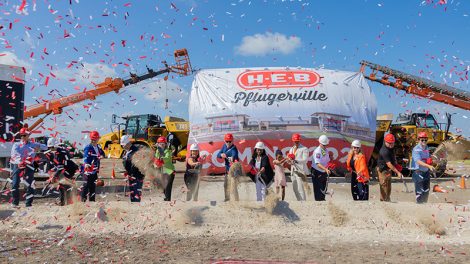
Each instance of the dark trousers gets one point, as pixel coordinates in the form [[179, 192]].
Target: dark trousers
[[354, 188], [422, 182], [28, 175], [169, 186], [192, 183], [135, 187], [89, 187], [359, 190], [319, 180], [65, 194]]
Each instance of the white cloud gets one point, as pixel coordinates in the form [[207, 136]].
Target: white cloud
[[86, 73], [10, 58], [268, 43]]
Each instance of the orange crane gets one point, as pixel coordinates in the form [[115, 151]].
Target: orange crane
[[416, 85], [55, 106], [407, 127]]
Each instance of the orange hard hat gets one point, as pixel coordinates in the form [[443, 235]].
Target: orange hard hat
[[161, 140], [94, 135], [422, 135], [390, 138], [24, 131], [228, 137], [296, 137]]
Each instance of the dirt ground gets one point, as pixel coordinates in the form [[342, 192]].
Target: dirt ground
[[113, 230]]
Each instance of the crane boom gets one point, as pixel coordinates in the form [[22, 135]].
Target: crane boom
[[417, 85], [55, 106]]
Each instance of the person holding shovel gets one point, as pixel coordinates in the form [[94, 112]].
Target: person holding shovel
[[357, 165], [421, 166], [134, 176], [92, 154], [164, 161], [297, 158], [191, 176], [386, 165], [229, 153], [261, 171], [63, 169], [21, 164], [320, 170]]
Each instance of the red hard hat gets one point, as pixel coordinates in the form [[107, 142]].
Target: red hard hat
[[228, 137], [24, 131], [399, 167], [296, 137], [99, 183], [161, 140], [389, 138], [422, 135], [94, 135]]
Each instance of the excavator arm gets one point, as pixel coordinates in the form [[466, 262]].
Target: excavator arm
[[416, 85], [55, 106]]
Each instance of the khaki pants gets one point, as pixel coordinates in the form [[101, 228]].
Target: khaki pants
[[385, 182]]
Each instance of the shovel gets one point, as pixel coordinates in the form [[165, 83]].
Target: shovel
[[406, 190]]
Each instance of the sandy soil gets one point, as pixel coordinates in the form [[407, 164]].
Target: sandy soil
[[113, 230]]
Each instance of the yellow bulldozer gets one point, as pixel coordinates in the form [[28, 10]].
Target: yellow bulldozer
[[145, 130]]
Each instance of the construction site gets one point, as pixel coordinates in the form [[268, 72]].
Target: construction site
[[164, 165]]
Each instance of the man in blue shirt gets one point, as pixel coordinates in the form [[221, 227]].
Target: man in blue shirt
[[91, 159], [229, 153], [421, 166], [22, 167]]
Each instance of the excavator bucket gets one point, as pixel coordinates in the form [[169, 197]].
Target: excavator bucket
[[183, 64]]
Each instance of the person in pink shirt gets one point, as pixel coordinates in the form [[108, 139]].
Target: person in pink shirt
[[279, 174]]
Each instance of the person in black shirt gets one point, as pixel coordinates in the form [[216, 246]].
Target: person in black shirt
[[63, 169], [261, 172], [386, 165], [133, 174]]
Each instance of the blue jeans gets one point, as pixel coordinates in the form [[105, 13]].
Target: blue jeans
[[28, 175], [422, 182], [135, 187]]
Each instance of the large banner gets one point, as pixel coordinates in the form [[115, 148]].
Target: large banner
[[270, 104]]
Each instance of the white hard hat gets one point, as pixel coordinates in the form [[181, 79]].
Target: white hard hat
[[356, 143], [323, 139], [125, 139], [51, 142], [194, 146], [259, 145]]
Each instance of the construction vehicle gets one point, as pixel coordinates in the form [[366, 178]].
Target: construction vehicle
[[55, 106], [145, 130], [407, 126]]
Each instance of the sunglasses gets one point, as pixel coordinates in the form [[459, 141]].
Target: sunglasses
[[424, 140], [24, 135], [356, 148], [228, 141]]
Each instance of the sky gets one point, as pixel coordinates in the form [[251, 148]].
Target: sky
[[67, 46]]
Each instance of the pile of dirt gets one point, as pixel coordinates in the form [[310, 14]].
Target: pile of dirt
[[432, 226], [338, 216], [451, 151]]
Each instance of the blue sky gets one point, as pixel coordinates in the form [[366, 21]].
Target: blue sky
[[425, 38]]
